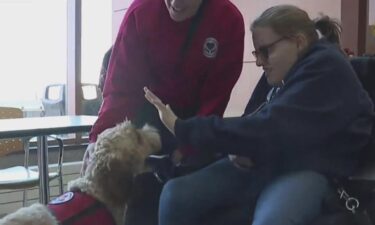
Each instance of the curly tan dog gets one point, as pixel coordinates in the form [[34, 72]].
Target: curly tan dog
[[100, 196]]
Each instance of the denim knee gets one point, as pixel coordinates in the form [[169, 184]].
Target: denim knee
[[171, 194], [172, 204], [294, 198]]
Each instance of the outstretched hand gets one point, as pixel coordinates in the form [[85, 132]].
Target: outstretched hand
[[166, 114]]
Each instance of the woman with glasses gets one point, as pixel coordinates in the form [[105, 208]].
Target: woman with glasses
[[310, 129]]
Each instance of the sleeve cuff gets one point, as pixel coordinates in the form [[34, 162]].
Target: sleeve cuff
[[181, 135]]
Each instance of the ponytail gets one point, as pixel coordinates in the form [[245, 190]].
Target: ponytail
[[329, 28]]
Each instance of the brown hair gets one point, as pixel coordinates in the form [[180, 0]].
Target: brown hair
[[329, 28], [287, 20]]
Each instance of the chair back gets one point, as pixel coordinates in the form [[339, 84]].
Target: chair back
[[91, 99], [8, 146], [54, 100], [365, 70]]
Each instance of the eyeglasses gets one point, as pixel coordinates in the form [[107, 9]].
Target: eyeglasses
[[264, 51]]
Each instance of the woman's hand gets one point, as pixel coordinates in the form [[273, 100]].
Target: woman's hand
[[166, 115]]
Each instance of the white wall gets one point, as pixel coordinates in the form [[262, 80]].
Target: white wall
[[371, 10], [370, 39]]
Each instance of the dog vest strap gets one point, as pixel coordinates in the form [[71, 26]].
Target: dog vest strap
[[79, 208], [90, 211]]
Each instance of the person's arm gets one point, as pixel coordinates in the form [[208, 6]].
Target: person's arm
[[307, 114], [123, 84], [306, 117], [126, 76]]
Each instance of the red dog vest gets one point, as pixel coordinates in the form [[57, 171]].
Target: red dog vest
[[78, 208]]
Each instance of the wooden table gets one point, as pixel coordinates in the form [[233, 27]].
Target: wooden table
[[41, 127]]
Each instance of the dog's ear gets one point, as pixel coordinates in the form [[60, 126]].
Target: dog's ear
[[152, 136]]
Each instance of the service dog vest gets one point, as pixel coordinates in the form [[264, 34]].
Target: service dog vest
[[73, 208]]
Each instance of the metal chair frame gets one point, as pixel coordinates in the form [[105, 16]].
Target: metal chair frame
[[22, 177]]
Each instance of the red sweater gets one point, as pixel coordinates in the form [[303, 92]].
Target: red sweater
[[147, 52]]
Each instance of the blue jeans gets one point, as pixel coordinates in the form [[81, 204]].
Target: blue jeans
[[224, 194], [294, 198]]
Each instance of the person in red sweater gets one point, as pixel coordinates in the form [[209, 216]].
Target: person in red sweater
[[188, 52]]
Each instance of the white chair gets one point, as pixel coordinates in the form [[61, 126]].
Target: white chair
[[22, 177], [91, 99], [54, 100]]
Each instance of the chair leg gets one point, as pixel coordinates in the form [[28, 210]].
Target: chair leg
[[59, 165], [24, 202], [61, 185], [26, 147]]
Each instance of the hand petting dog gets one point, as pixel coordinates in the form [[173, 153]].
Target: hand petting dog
[[167, 116]]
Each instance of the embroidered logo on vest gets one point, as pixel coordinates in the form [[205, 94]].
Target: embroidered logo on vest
[[63, 198], [210, 47]]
